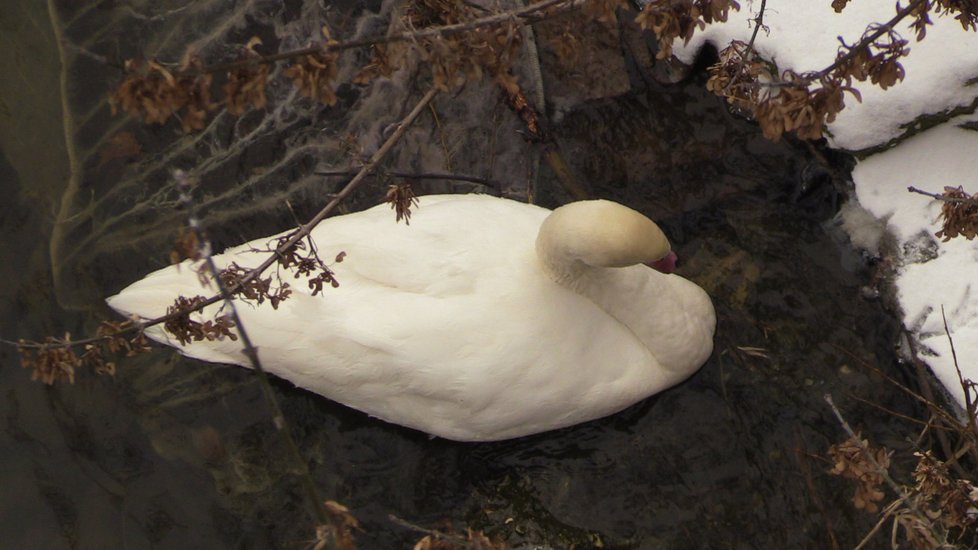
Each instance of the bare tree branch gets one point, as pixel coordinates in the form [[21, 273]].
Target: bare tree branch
[[526, 14], [302, 231], [420, 176], [869, 39]]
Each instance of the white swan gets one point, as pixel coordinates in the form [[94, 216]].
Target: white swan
[[485, 319]]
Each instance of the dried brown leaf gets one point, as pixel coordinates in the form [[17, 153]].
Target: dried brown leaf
[[313, 74], [121, 146], [960, 214], [851, 461], [674, 19], [187, 330], [401, 198], [244, 87]]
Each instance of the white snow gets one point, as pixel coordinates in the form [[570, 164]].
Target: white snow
[[803, 36]]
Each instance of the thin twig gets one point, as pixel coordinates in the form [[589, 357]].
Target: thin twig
[[890, 412], [940, 197], [969, 403], [931, 404], [420, 176], [887, 512], [758, 23]]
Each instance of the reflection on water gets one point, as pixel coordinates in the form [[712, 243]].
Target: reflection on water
[[171, 450]]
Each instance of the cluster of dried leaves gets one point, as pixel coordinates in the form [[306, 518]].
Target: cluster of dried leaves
[[383, 62], [472, 540], [801, 109], [454, 59], [244, 84], [805, 103], [953, 502], [313, 74], [303, 261], [960, 214], [736, 74], [256, 289], [566, 43], [306, 263], [966, 14], [244, 87], [802, 103], [781, 102], [186, 245], [672, 19], [154, 93], [878, 62], [935, 509], [939, 511], [401, 197], [852, 462], [567, 29], [338, 533], [187, 330], [55, 359]]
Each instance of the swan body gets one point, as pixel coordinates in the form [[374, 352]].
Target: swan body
[[485, 319]]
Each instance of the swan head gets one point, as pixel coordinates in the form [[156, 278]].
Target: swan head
[[600, 233]]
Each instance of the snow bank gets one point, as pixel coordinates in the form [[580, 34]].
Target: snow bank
[[803, 36]]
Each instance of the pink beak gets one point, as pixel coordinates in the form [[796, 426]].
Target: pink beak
[[667, 264]]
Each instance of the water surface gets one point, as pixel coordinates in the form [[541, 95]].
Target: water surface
[[172, 451]]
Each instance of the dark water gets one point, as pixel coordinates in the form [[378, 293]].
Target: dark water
[[171, 452]]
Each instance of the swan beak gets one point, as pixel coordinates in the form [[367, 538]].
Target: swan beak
[[667, 264]]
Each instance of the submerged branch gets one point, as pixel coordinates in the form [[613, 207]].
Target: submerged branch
[[278, 418]]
